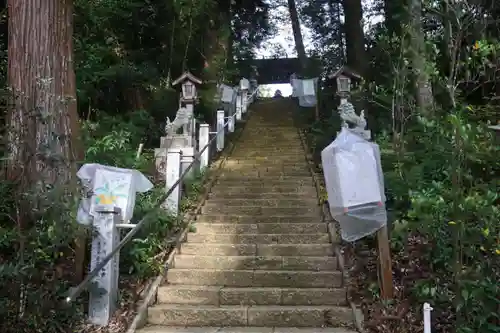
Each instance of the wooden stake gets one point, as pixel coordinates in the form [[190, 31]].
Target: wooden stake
[[317, 101], [80, 255], [385, 264]]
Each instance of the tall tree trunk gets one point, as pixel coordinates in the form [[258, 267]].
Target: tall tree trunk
[[297, 35], [357, 58], [396, 16], [44, 129], [355, 38], [44, 136], [335, 13], [423, 87]]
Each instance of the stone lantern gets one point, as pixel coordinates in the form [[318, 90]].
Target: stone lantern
[[344, 78], [189, 94], [184, 119]]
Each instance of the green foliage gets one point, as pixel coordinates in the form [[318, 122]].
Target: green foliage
[[140, 256], [45, 264], [126, 50], [36, 263], [441, 171], [444, 189]]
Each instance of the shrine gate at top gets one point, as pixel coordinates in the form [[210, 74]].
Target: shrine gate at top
[[271, 71]]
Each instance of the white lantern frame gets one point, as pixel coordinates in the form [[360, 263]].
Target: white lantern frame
[[343, 84], [188, 90]]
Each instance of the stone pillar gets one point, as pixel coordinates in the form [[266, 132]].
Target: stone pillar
[[244, 101], [230, 123], [173, 172], [104, 287], [188, 128], [202, 144], [161, 162], [220, 130], [238, 106], [186, 160]]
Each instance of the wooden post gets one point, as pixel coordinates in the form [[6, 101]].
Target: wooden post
[[317, 100], [385, 264], [80, 255]]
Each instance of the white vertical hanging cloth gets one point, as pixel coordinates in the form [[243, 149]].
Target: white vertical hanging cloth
[[307, 95]]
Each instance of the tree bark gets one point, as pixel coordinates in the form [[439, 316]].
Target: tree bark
[[354, 35], [44, 135], [335, 13], [297, 35], [424, 97], [396, 16], [43, 119]]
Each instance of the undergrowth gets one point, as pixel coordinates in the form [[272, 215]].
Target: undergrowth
[[36, 277], [445, 238], [442, 189]]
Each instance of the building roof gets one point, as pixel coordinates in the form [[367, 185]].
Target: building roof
[[345, 70], [188, 76]]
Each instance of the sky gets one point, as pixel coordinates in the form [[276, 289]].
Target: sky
[[284, 37]]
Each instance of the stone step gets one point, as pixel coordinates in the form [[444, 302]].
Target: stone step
[[262, 211], [275, 121], [268, 163], [250, 174], [271, 142], [267, 140], [280, 202], [261, 228], [268, 130], [216, 295], [323, 238], [284, 136], [245, 195], [265, 182], [263, 168], [254, 262], [266, 315], [257, 278], [256, 149], [304, 189], [251, 150], [206, 329], [244, 219], [250, 154], [284, 147], [265, 126]]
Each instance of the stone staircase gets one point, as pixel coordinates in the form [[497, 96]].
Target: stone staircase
[[260, 259]]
